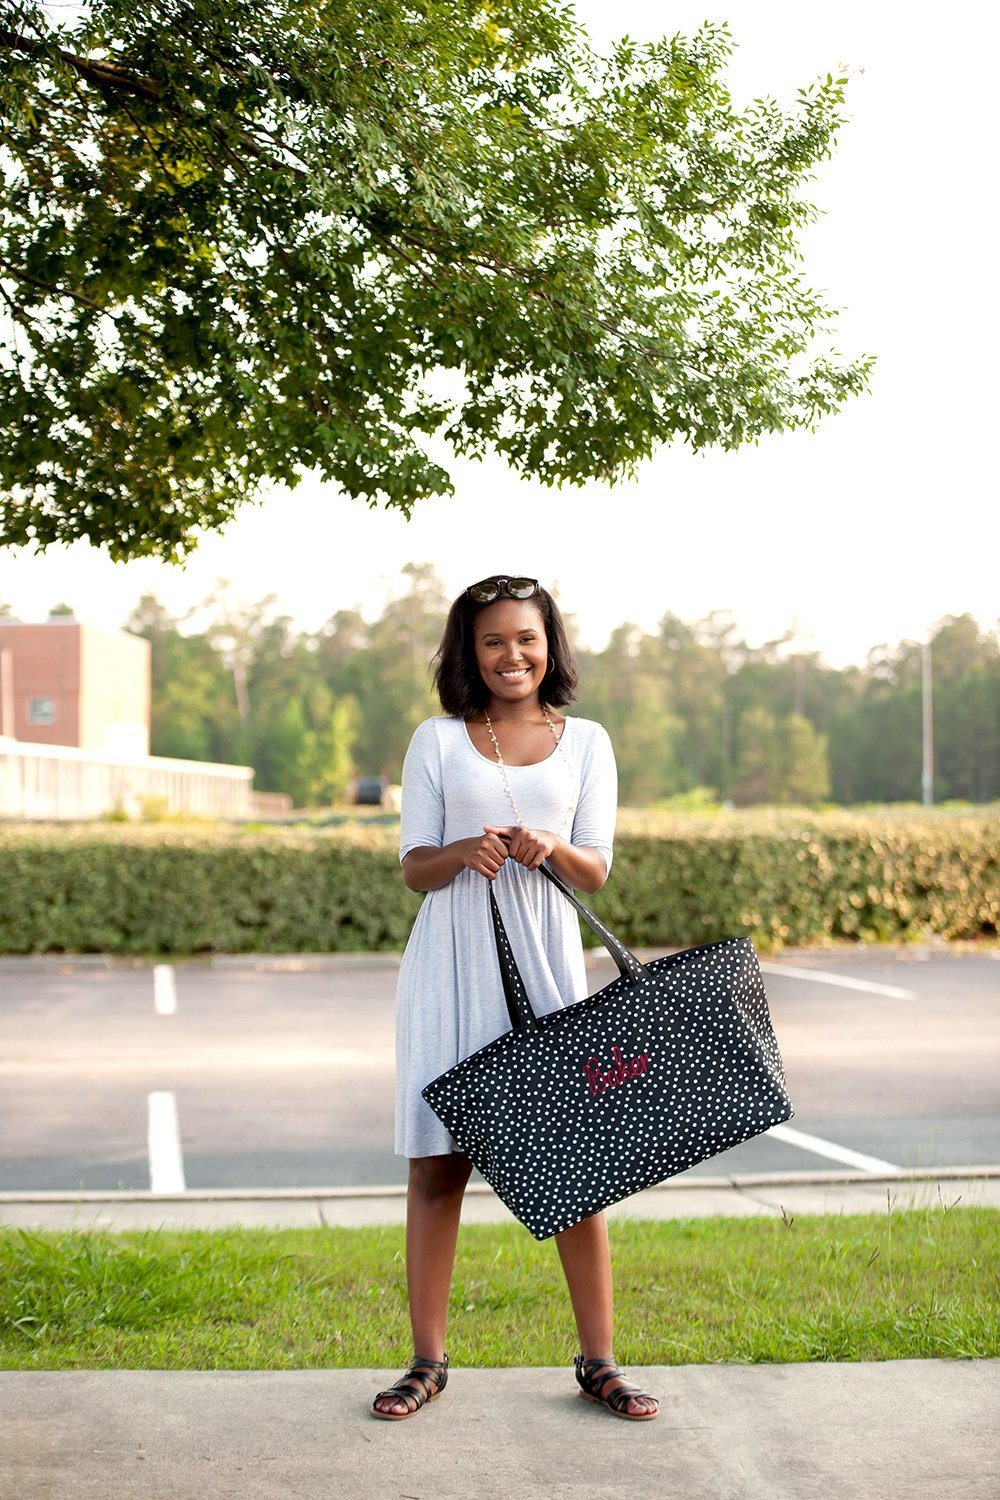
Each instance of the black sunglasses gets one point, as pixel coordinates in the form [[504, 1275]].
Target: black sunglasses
[[491, 588]]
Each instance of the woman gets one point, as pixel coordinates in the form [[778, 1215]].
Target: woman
[[486, 794]]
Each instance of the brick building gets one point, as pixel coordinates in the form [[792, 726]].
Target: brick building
[[64, 683], [74, 732]]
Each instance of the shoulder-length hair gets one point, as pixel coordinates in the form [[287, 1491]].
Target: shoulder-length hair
[[457, 679]]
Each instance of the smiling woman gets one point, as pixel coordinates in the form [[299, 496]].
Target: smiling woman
[[504, 631], [486, 793]]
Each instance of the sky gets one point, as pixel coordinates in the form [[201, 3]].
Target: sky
[[871, 530]]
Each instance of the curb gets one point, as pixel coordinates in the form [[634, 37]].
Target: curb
[[14, 963], [398, 1190]]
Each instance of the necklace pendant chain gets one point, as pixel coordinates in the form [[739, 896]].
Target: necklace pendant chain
[[503, 771]]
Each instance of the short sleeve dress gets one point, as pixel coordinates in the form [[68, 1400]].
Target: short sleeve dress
[[449, 996]]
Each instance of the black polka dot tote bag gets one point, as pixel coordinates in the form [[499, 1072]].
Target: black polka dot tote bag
[[669, 1064]]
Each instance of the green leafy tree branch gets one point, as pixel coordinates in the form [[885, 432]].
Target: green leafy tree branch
[[243, 242]]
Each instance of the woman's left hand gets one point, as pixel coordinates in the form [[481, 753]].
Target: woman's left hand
[[529, 846]]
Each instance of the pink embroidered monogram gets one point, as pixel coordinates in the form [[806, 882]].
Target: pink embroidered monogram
[[620, 1071]]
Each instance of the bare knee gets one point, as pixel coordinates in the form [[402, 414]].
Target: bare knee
[[440, 1176]]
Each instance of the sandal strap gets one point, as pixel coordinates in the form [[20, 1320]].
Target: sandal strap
[[402, 1393], [586, 1371], [439, 1367], [620, 1397]]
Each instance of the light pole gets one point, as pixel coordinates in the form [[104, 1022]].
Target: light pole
[[927, 778]]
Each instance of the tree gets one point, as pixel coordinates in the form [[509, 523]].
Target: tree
[[692, 700], [781, 760], [877, 735], [236, 632], [965, 664], [758, 767], [885, 737], [333, 757], [699, 659], [246, 241], [396, 671], [297, 736], [806, 776], [626, 688], [193, 712]]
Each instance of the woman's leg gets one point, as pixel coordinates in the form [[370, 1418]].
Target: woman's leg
[[586, 1259], [433, 1209]]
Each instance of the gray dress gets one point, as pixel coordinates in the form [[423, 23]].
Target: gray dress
[[449, 997]]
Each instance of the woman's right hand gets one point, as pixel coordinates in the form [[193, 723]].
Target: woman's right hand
[[484, 854]]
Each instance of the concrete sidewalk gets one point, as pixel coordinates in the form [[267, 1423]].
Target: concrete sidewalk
[[685, 1196], [905, 1429], [897, 1430]]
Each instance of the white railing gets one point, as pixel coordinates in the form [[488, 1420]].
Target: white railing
[[61, 781]]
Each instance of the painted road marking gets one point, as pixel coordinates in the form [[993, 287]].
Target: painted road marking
[[166, 1165], [819, 1147], [819, 976], [164, 989]]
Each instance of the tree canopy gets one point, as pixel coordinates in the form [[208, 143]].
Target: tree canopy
[[695, 713], [247, 241]]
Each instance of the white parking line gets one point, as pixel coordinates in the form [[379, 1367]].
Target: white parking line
[[166, 1164], [819, 1147], [819, 977], [164, 989]]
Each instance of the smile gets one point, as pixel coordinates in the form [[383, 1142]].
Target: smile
[[511, 675]]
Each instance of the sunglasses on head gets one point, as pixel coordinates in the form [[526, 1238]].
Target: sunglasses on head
[[491, 588]]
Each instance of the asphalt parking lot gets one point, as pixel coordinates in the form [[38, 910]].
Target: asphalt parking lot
[[279, 1072], [278, 1075]]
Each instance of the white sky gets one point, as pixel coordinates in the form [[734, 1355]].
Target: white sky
[[869, 531]]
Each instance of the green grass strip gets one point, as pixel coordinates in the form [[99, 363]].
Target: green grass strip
[[910, 1284]]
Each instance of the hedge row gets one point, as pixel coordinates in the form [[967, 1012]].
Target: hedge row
[[777, 876]]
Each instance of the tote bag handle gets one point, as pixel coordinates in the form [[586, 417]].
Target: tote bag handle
[[522, 1017]]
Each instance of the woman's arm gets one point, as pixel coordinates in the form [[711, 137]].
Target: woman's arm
[[428, 869], [580, 865], [582, 868]]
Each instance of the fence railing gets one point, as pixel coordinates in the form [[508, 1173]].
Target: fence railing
[[61, 781]]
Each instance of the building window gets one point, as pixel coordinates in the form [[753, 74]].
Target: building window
[[41, 711]]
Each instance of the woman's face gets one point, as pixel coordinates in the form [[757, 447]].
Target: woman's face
[[510, 637]]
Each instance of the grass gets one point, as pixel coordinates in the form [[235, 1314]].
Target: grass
[[907, 1284]]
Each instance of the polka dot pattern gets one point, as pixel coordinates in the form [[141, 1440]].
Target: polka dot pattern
[[569, 1112]]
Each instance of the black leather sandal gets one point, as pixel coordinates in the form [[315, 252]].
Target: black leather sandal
[[407, 1393], [594, 1374]]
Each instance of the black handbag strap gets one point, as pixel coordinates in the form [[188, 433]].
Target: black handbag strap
[[628, 965], [522, 1017]]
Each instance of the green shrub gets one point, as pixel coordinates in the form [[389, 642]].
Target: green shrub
[[779, 876], [162, 888], [796, 876]]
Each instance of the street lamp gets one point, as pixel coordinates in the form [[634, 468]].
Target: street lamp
[[927, 777]]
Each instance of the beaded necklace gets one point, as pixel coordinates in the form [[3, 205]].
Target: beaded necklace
[[559, 750]]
